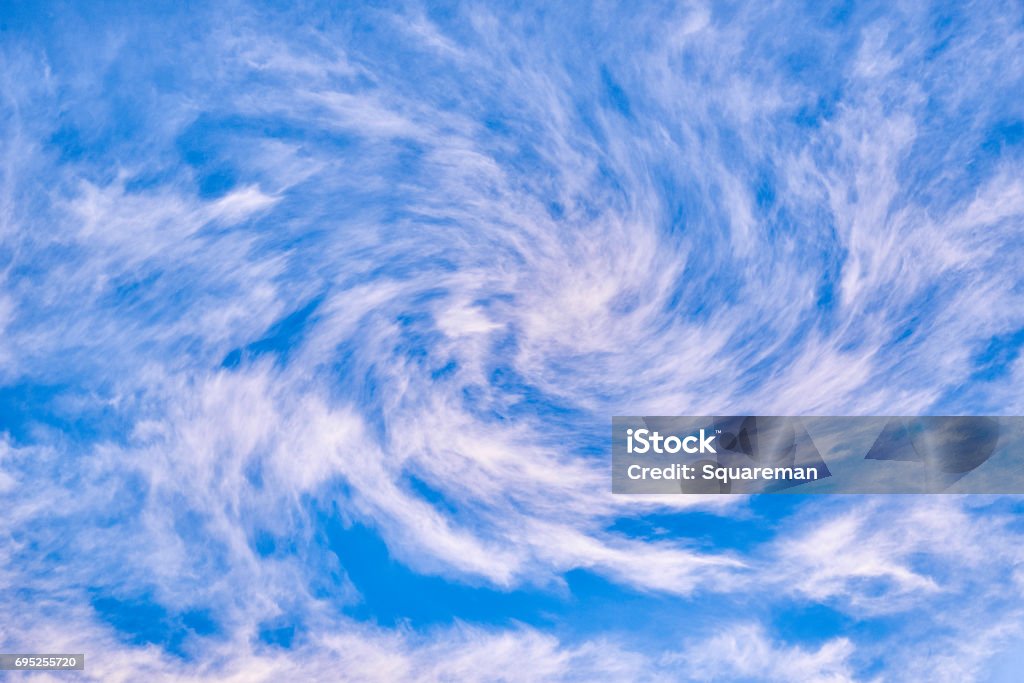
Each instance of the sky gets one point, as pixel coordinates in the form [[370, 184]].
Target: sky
[[313, 319]]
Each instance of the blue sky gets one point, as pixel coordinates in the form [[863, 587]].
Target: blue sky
[[313, 321]]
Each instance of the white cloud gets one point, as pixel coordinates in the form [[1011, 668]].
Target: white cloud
[[745, 652]]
